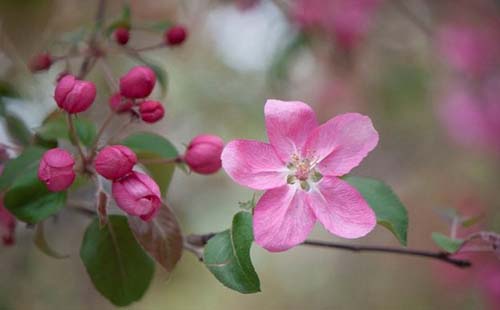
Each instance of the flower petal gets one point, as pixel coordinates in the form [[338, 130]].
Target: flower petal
[[288, 125], [341, 209], [253, 164], [282, 219], [341, 143]]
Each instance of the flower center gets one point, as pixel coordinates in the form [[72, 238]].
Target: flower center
[[303, 170]]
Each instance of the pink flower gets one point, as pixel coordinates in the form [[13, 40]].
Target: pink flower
[[56, 169], [138, 82], [347, 20], [115, 161], [120, 104], [122, 35], [40, 62], [74, 96], [151, 111], [137, 194], [203, 154], [175, 35], [299, 170]]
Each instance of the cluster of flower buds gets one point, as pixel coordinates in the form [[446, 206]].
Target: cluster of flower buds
[[135, 85]]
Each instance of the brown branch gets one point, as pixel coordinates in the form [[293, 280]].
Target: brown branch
[[201, 240]]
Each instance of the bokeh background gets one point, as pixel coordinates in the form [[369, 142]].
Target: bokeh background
[[426, 72]]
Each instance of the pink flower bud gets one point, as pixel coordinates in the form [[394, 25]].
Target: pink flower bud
[[203, 154], [7, 225], [122, 35], [138, 82], [74, 96], [56, 169], [137, 194], [175, 35], [151, 111], [115, 161], [40, 62], [120, 104]]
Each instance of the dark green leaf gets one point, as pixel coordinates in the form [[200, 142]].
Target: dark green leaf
[[117, 265], [57, 128], [30, 200], [446, 243], [17, 129], [7, 90], [161, 237], [43, 245], [391, 213], [149, 146], [227, 256], [17, 166]]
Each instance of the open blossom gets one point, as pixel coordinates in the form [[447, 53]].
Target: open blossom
[[137, 194], [203, 154], [346, 20], [299, 169], [73, 95], [115, 161], [56, 169]]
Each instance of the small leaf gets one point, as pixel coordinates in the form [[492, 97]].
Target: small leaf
[[390, 212], [471, 221], [56, 128], [17, 129], [160, 26], [117, 265], [161, 237], [149, 146], [446, 243], [42, 244], [30, 200], [227, 256], [123, 22], [7, 90], [28, 159]]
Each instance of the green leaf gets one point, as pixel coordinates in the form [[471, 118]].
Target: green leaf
[[161, 237], [152, 147], [446, 243], [30, 200], [227, 256], [42, 244], [7, 90], [390, 212], [471, 221], [17, 129], [160, 26], [17, 166], [117, 265], [123, 22], [56, 128]]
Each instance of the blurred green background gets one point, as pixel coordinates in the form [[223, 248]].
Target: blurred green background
[[234, 59]]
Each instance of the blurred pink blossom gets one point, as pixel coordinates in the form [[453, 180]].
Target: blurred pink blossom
[[348, 21], [299, 169]]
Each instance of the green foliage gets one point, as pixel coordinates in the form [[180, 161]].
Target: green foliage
[[17, 129], [30, 200], [115, 262], [56, 127], [42, 244], [152, 147], [227, 256], [124, 21], [391, 213], [17, 166], [446, 243]]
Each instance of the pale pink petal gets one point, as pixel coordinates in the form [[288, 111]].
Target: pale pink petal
[[341, 208], [282, 219], [288, 125], [253, 164], [341, 143]]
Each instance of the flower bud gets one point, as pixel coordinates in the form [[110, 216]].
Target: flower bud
[[175, 35], [40, 62], [115, 161], [122, 35], [138, 82], [137, 194], [56, 169], [74, 96], [120, 104], [203, 154], [151, 111]]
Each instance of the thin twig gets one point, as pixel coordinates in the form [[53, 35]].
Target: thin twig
[[105, 124], [404, 10], [177, 159], [201, 240], [75, 138], [149, 48]]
